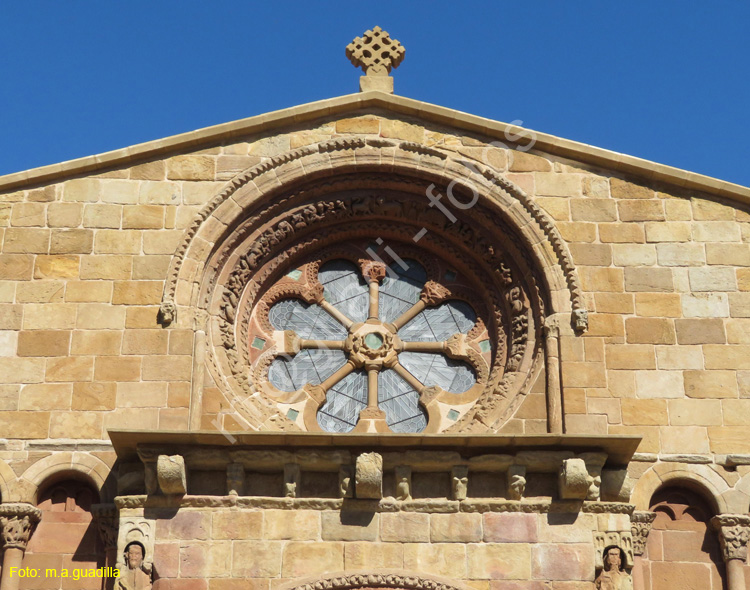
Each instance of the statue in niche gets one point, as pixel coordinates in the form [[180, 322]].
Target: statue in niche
[[137, 576], [613, 577]]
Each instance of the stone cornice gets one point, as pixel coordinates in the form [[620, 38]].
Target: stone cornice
[[366, 102]]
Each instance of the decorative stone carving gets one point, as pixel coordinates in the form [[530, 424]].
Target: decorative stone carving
[[236, 479], [135, 529], [574, 479], [137, 575], [18, 522], [403, 482], [616, 485], [516, 482], [621, 539], [167, 312], [369, 476], [434, 293], [375, 52], [640, 527], [580, 320], [734, 534], [171, 474], [594, 463], [613, 577], [459, 482], [105, 516], [373, 580], [292, 477], [346, 489]]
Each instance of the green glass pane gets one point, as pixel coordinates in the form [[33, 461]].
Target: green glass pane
[[258, 343]]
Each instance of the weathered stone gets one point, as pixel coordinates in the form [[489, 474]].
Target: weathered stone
[[349, 525], [499, 561]]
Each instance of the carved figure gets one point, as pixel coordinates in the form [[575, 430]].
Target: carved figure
[[612, 576], [137, 576]]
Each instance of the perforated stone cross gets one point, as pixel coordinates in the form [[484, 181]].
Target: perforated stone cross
[[375, 52]]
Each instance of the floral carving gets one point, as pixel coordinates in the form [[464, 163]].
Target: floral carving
[[734, 534]]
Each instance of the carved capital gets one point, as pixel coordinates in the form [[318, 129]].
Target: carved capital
[[106, 519], [640, 527], [369, 476], [372, 270], [434, 293], [18, 522], [734, 534]]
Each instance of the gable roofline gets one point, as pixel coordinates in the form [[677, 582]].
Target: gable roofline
[[573, 150]]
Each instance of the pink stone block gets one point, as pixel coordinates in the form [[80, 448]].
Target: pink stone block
[[510, 527]]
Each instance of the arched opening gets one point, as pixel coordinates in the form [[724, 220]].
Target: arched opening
[[66, 539], [682, 550]]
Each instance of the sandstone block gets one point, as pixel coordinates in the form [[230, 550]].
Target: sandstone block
[[43, 343], [704, 210], [676, 209], [405, 527], [455, 528], [162, 242], [81, 189], [69, 368], [96, 342], [71, 241], [401, 130], [137, 292], [695, 412], [119, 192], [577, 232], [648, 412], [56, 267], [52, 316], [622, 189], [242, 524], [729, 439], [650, 331], [102, 216], [510, 527], [499, 561], [587, 209], [700, 331], [116, 368], [679, 357], [45, 396], [292, 525], [634, 255], [716, 231], [106, 267], [145, 342], [601, 279], [705, 305], [684, 439], [739, 305], [350, 526], [616, 303], [24, 425], [64, 214], [562, 562], [155, 193], [623, 233], [358, 125], [738, 331], [630, 356], [711, 384], [712, 279], [556, 207], [100, 316], [591, 254], [8, 343], [596, 186], [680, 254], [442, 559], [257, 559], [148, 171], [728, 254], [648, 279], [608, 406], [200, 193], [143, 217], [526, 162], [151, 267], [81, 425], [27, 215], [40, 292], [11, 317], [132, 419], [141, 395], [26, 240], [110, 241], [309, 559], [42, 195], [93, 396], [659, 305], [606, 324], [640, 210], [358, 556], [584, 374], [670, 231], [169, 368], [736, 412], [141, 317], [723, 356], [297, 140], [659, 384], [16, 267], [88, 292]]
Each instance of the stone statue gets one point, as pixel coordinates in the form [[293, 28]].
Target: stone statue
[[613, 577], [138, 574]]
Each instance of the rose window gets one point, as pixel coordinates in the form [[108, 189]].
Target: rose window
[[373, 345]]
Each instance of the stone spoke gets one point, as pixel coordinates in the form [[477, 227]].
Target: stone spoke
[[409, 314]]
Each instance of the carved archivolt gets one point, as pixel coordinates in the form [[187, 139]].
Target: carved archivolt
[[309, 215], [393, 579]]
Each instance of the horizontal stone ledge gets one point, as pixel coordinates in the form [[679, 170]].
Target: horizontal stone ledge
[[390, 504]]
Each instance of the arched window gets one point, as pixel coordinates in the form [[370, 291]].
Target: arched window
[[682, 550]]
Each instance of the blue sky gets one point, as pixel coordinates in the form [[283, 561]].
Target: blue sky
[[666, 81]]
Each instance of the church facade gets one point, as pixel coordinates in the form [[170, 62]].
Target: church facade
[[371, 342]]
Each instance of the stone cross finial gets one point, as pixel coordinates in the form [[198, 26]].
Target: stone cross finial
[[377, 54]]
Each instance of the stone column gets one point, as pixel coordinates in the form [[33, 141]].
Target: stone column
[[18, 522], [554, 390], [105, 516], [734, 534], [640, 527]]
